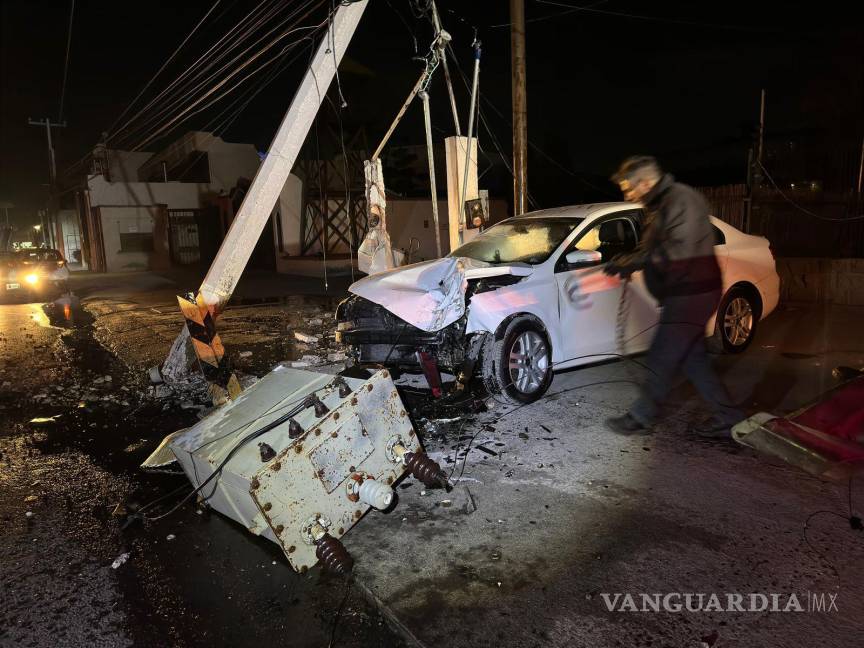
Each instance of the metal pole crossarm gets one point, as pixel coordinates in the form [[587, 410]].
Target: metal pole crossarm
[[442, 39]]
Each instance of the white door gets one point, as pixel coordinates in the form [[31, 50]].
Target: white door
[[589, 301]]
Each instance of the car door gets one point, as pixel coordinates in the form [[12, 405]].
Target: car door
[[588, 300]]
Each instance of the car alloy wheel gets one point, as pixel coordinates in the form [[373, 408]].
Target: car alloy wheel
[[529, 362], [738, 321]]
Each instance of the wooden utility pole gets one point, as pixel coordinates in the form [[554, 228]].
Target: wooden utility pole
[[761, 148], [520, 108]]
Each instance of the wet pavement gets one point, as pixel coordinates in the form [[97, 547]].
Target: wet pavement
[[77, 416]]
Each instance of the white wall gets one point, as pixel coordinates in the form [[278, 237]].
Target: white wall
[[290, 206], [125, 219], [230, 161], [71, 233], [413, 218], [177, 195]]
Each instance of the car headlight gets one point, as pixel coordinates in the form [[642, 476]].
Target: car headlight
[[32, 279]]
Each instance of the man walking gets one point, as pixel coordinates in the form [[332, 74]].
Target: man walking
[[676, 253]]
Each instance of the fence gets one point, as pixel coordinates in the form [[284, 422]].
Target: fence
[[833, 228]]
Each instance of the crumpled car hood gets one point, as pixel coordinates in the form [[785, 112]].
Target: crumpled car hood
[[430, 295]]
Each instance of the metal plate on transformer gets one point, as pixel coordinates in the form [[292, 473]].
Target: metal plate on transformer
[[332, 460]]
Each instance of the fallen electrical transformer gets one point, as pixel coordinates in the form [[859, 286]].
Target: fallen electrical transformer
[[300, 456]]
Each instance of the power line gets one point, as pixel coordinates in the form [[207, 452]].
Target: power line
[[802, 209], [674, 21], [555, 15], [164, 65], [186, 85], [175, 85], [188, 110], [66, 64]]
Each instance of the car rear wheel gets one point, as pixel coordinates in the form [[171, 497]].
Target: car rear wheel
[[737, 318], [518, 366]]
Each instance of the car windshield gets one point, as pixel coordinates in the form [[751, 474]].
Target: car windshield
[[519, 240]]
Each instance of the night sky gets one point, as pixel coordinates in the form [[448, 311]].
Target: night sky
[[680, 80]]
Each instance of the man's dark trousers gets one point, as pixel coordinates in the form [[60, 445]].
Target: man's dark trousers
[[680, 344]]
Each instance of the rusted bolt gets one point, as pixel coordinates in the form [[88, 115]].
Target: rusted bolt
[[304, 569], [364, 432], [385, 373], [292, 549], [320, 473], [279, 529], [357, 514], [368, 387], [278, 465], [341, 531], [317, 432], [334, 435], [389, 480], [351, 469], [268, 506], [298, 448], [402, 413], [411, 433], [255, 484], [336, 416], [353, 401]]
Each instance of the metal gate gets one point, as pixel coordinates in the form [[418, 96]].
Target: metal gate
[[183, 236]]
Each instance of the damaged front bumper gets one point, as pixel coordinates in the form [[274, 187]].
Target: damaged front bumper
[[377, 336]]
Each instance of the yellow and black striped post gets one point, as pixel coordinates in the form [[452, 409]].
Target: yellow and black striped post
[[200, 321]]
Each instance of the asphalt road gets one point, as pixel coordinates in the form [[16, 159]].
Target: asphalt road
[[192, 579]]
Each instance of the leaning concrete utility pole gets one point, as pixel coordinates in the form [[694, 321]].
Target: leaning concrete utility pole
[[520, 109], [47, 235], [246, 229], [259, 201]]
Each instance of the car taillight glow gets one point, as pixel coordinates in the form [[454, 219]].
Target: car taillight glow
[[31, 279]]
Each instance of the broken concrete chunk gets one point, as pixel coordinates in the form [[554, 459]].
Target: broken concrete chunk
[[339, 356], [305, 337], [315, 322], [119, 560], [245, 354], [311, 359]]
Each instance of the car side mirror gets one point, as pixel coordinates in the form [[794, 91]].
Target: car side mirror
[[583, 258]]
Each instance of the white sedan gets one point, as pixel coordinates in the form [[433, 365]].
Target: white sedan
[[525, 298]]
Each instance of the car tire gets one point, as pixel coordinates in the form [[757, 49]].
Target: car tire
[[735, 325], [518, 385]]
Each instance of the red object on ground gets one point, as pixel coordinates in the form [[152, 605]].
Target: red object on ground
[[841, 414], [430, 371]]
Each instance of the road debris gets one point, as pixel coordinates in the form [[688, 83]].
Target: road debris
[[170, 537], [245, 354], [119, 560], [305, 338]]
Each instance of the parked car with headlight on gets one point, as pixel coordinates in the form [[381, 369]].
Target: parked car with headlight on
[[34, 273], [525, 298]]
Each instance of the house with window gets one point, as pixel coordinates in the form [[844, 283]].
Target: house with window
[[148, 211]]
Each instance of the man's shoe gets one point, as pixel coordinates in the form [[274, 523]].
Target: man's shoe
[[713, 428], [627, 426]]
